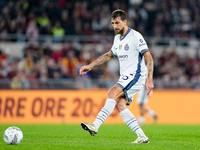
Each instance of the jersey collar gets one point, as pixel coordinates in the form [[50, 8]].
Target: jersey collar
[[129, 29]]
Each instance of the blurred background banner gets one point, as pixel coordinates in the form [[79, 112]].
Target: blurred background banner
[[49, 106]]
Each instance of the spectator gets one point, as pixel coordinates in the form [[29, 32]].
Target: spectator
[[13, 71], [43, 20], [32, 29], [67, 23], [20, 81], [1, 75], [5, 68], [57, 54], [27, 63], [13, 27], [71, 63], [57, 30]]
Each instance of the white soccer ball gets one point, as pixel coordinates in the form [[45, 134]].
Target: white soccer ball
[[13, 135]]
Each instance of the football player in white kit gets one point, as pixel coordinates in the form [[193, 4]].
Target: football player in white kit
[[131, 49], [142, 101]]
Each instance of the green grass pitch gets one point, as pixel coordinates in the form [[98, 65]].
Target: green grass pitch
[[109, 137]]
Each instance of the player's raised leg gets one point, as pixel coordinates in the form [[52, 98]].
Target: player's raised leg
[[90, 127], [108, 108]]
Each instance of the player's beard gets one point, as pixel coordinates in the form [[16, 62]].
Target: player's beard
[[120, 31]]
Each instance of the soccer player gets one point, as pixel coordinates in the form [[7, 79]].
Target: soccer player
[[131, 49], [142, 100]]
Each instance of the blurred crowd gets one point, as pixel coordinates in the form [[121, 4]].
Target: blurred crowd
[[156, 18], [173, 70], [43, 64]]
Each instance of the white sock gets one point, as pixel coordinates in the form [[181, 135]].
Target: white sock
[[131, 122], [141, 120], [104, 112], [151, 113]]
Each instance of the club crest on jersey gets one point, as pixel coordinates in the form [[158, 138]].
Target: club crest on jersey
[[120, 47], [126, 47]]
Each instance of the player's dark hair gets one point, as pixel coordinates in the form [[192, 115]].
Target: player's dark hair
[[119, 13]]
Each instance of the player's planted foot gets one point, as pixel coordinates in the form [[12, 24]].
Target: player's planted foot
[[155, 119], [90, 127], [141, 139]]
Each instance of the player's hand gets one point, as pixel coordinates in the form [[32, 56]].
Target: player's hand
[[84, 69], [149, 85]]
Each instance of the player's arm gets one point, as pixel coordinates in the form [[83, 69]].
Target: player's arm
[[149, 81], [101, 60]]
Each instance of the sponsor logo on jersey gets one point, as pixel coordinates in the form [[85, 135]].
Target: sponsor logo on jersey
[[126, 47], [141, 41], [142, 44], [123, 56]]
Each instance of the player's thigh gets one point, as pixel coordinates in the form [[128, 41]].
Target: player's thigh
[[115, 92]]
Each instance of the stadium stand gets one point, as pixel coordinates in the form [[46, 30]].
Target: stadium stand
[[58, 36]]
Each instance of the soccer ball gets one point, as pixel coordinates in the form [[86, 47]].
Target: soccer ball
[[13, 135]]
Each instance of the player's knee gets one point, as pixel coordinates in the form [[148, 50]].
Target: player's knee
[[112, 94], [121, 105], [115, 92]]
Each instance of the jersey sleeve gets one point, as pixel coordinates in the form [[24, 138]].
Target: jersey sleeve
[[114, 48], [141, 44]]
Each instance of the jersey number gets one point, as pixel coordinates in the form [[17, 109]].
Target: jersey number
[[125, 77]]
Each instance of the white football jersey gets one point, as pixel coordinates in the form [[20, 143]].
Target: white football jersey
[[129, 51]]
